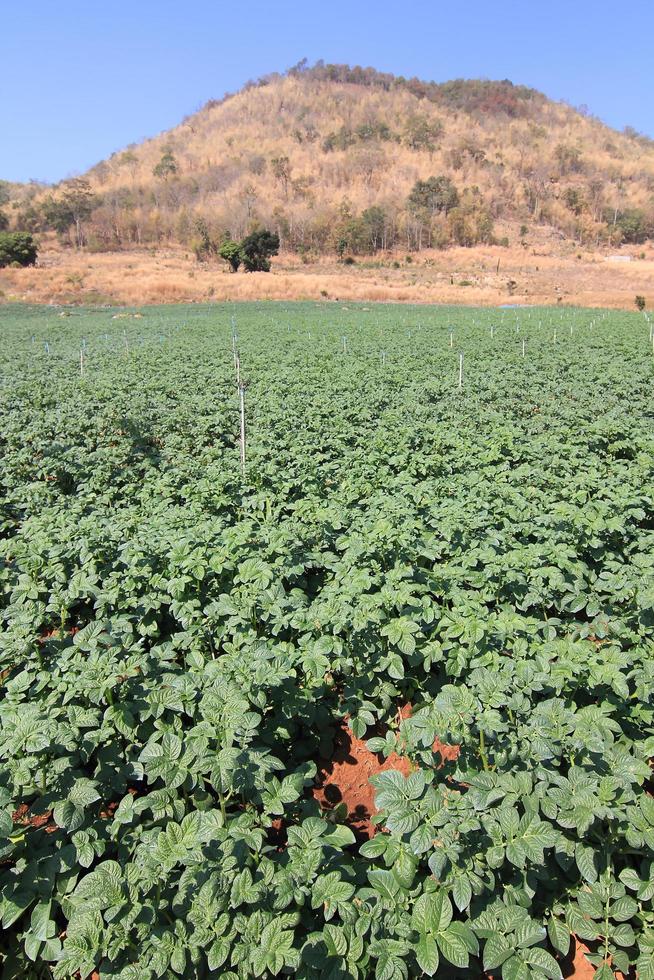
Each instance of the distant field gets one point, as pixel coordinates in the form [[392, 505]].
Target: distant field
[[435, 569]]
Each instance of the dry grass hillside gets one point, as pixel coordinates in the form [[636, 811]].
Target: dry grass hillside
[[350, 162]]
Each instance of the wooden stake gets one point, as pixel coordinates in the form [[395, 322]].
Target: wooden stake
[[241, 395]]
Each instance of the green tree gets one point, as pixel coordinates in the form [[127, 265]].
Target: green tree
[[257, 248], [17, 248], [432, 196], [72, 209], [167, 166], [428, 198], [634, 224], [230, 251], [422, 133], [471, 222], [4, 221], [373, 222]]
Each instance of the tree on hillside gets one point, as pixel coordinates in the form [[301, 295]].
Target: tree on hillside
[[4, 199], [433, 196], [471, 222], [422, 133], [130, 160], [281, 169], [72, 209], [428, 198], [257, 248], [167, 166], [569, 159]]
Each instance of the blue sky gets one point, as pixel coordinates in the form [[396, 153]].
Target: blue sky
[[82, 79]]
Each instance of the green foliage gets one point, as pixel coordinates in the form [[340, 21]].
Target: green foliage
[[634, 224], [167, 166], [17, 248], [363, 234], [257, 248], [471, 222], [71, 209], [422, 132], [574, 200], [432, 196], [569, 159], [230, 251], [180, 642]]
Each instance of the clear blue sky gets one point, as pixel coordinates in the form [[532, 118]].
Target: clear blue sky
[[82, 79]]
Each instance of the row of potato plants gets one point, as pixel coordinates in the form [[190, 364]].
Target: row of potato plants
[[179, 645]]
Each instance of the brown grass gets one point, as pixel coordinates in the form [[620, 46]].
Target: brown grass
[[543, 274]]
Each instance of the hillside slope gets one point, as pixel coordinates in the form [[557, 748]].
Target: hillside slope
[[330, 157]]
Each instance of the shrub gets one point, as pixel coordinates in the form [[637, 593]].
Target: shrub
[[640, 302], [17, 248], [257, 248], [231, 252]]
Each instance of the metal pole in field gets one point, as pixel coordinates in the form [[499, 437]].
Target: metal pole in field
[[460, 370], [523, 348], [241, 395]]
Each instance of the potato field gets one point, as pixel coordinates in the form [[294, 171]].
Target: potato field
[[327, 642]]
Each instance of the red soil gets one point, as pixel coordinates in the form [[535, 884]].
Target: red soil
[[576, 965], [345, 779]]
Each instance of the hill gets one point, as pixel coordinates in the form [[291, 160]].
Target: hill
[[352, 161]]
